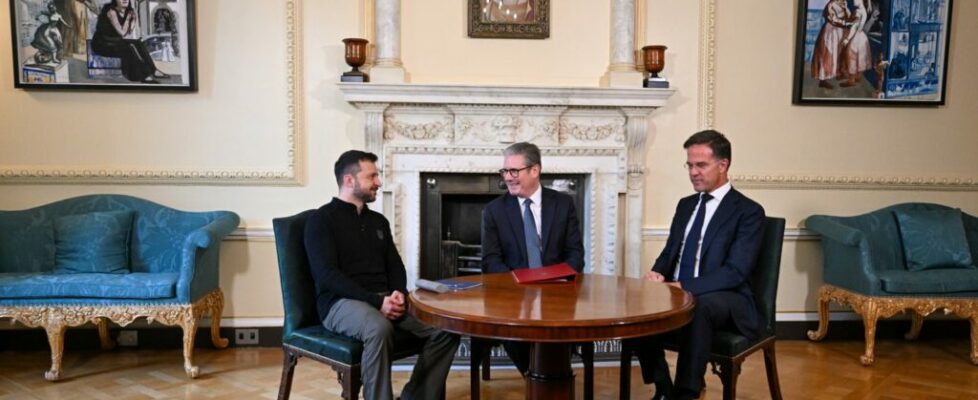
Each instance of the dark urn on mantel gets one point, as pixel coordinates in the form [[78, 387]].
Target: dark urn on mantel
[[356, 55], [655, 61]]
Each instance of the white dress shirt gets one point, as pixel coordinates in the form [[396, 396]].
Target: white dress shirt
[[711, 208]]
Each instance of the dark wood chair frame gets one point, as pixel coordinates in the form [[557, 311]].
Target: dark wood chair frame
[[347, 375]]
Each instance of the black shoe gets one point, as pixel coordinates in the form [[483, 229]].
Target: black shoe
[[684, 394]]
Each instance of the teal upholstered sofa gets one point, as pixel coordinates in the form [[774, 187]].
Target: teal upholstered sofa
[[101, 258], [914, 256]]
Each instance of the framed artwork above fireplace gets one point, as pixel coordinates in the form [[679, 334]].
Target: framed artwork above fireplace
[[509, 19]]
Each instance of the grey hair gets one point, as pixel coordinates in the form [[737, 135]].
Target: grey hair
[[529, 151]]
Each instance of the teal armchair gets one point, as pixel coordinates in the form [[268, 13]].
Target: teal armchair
[[911, 256], [303, 334]]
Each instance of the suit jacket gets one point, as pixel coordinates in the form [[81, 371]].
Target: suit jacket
[[731, 243], [503, 243]]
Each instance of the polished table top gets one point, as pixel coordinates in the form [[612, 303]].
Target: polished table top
[[594, 307]]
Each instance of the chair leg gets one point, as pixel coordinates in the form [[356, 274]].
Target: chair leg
[[189, 325], [355, 382], [974, 338], [103, 334], [288, 367], [350, 381], [823, 315], [216, 309], [56, 339], [475, 359], [771, 365], [486, 362], [625, 372], [870, 314], [587, 357], [729, 372], [916, 322]]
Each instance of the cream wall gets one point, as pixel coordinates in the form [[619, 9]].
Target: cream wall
[[239, 119]]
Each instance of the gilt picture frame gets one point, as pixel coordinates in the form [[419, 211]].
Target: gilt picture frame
[[509, 19], [104, 44], [872, 52]]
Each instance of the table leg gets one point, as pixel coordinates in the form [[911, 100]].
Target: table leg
[[550, 376]]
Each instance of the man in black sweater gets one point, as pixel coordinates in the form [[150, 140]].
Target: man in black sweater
[[361, 284]]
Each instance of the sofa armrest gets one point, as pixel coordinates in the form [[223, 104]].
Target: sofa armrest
[[199, 267], [829, 228], [848, 260]]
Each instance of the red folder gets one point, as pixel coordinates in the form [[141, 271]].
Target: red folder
[[554, 273]]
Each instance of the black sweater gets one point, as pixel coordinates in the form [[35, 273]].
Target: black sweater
[[352, 256]]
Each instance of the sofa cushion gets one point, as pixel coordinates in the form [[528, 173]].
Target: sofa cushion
[[933, 239], [929, 282], [90, 285], [93, 242]]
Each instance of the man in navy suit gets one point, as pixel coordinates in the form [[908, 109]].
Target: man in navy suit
[[529, 226], [712, 247]]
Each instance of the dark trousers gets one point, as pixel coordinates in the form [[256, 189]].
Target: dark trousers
[[714, 311], [519, 352]]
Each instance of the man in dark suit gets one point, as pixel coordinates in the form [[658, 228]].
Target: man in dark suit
[[529, 226], [712, 247]]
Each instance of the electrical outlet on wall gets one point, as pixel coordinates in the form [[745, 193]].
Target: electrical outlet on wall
[[128, 338], [245, 336]]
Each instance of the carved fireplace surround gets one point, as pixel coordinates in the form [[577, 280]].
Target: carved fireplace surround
[[599, 132]]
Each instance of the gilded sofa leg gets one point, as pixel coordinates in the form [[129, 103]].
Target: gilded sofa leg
[[916, 322], [103, 334], [189, 325], [870, 314], [974, 339], [217, 308], [823, 315], [56, 339]]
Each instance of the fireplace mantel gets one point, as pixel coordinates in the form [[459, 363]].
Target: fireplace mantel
[[600, 132], [510, 95]]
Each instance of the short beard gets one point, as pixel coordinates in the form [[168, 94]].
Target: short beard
[[364, 196]]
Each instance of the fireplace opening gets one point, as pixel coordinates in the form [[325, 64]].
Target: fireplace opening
[[451, 217]]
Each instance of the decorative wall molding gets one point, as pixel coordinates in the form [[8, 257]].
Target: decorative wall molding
[[821, 182], [288, 175], [266, 234], [706, 112]]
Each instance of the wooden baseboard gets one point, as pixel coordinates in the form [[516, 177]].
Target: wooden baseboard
[[86, 338]]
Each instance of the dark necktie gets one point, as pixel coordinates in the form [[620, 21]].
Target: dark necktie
[[532, 238], [687, 264]]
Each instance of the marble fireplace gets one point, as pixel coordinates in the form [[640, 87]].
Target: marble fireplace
[[598, 134]]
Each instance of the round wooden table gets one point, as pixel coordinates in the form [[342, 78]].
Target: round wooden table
[[555, 315]]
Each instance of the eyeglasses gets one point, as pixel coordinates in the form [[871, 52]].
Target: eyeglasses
[[512, 172]]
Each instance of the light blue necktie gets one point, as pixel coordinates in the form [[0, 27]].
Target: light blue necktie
[[532, 239]]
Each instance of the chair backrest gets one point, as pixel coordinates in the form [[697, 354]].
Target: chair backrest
[[764, 278], [298, 290]]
